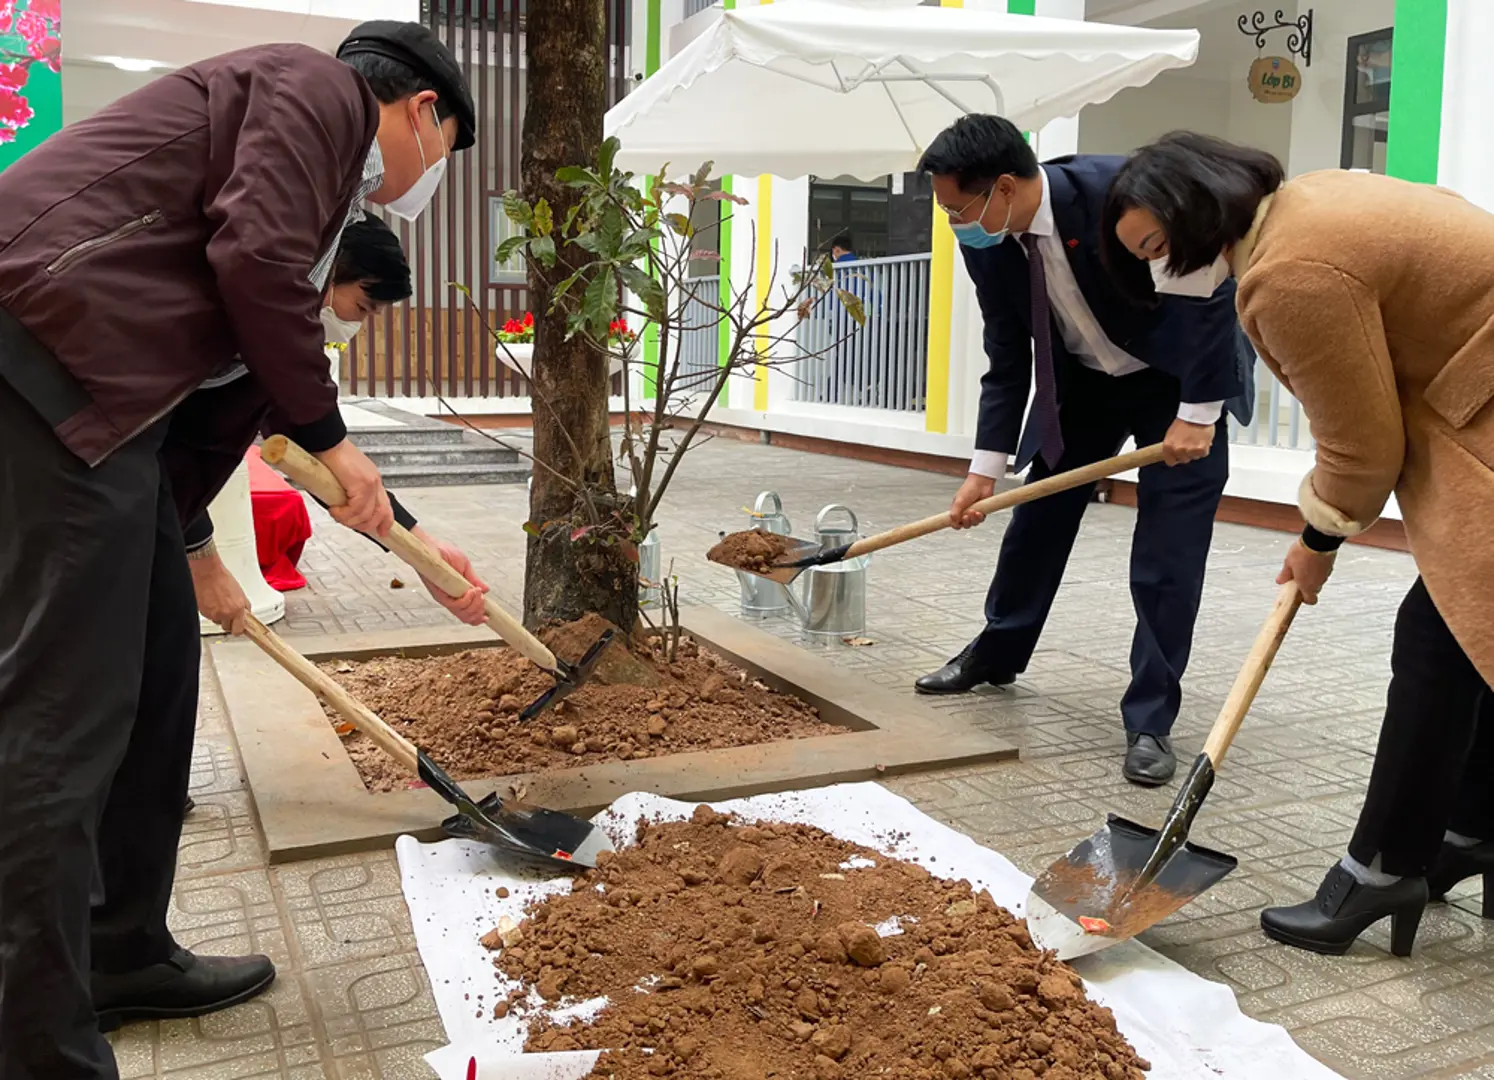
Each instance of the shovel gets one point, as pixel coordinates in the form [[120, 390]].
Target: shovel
[[805, 554], [530, 834], [316, 478], [1126, 877]]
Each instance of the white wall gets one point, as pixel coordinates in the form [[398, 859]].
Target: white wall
[[87, 87], [1466, 157], [1317, 113]]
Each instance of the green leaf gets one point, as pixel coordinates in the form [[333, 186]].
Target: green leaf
[[599, 303], [508, 247], [611, 232], [532, 529], [543, 250], [852, 303], [680, 224], [574, 175], [588, 241], [607, 155], [565, 287], [544, 221], [517, 210], [649, 290], [570, 219]]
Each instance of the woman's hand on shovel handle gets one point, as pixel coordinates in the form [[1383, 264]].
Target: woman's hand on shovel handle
[[1309, 569], [469, 606], [973, 490], [367, 508]]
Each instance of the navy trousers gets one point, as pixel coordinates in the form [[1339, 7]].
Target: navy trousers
[[1169, 549]]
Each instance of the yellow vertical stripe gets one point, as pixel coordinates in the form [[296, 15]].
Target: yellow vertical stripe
[[941, 301], [764, 274]]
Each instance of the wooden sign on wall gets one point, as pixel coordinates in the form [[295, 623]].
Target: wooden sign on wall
[[1274, 80]]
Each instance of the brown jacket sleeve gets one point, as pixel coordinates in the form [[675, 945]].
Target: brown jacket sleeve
[[1320, 331], [289, 139]]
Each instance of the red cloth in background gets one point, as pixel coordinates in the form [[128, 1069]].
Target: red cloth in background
[[281, 525]]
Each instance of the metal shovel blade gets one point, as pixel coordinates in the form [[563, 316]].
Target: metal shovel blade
[[1094, 897], [793, 562], [545, 838], [568, 677]]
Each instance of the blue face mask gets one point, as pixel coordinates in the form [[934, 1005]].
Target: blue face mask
[[973, 234]]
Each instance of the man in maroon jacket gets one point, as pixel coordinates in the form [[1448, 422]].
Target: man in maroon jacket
[[162, 266]]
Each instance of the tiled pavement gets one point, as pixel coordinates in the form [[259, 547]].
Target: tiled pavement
[[353, 1003]]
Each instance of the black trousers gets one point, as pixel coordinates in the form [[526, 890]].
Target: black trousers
[[1434, 767], [1169, 548], [99, 655]]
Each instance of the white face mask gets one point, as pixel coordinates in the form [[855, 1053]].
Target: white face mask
[[338, 331], [412, 203], [1200, 283]]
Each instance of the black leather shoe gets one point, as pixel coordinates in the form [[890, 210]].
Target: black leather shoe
[[1343, 909], [191, 805], [961, 675], [186, 985], [1150, 761], [1457, 864]]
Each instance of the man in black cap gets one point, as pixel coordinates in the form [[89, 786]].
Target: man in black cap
[[162, 267]]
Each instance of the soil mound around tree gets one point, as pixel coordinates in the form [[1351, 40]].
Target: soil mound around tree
[[753, 550], [463, 709], [743, 952]]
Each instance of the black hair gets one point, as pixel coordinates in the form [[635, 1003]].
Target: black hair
[[842, 241], [393, 81], [370, 255], [1203, 191], [977, 150]]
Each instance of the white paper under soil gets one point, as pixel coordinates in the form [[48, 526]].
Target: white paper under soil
[[1185, 1025]]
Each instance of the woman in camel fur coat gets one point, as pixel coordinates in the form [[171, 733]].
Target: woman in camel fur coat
[[1372, 300]]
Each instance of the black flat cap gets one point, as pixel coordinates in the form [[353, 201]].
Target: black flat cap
[[416, 46]]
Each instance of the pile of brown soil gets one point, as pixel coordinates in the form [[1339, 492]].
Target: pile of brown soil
[[746, 952], [463, 709], [753, 550]]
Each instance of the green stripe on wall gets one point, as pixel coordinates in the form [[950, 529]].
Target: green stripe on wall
[[1417, 58], [728, 215], [652, 35], [1021, 7]]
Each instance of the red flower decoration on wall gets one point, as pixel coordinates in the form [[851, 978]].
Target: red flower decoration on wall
[[30, 33]]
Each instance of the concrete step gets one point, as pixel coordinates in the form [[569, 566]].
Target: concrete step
[[367, 439], [398, 477], [441, 455]]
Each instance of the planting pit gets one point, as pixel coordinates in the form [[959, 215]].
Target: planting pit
[[752, 549], [730, 952], [312, 800], [463, 709]]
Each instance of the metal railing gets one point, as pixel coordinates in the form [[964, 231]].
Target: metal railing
[[700, 336], [1278, 421], [882, 364], [695, 7]]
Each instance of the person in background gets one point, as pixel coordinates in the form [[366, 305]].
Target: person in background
[[162, 266], [370, 273], [1368, 297], [1105, 370]]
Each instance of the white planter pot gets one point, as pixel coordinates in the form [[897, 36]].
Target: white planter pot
[[520, 357], [233, 533]]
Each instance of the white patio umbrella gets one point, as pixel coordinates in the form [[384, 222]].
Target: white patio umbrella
[[835, 87]]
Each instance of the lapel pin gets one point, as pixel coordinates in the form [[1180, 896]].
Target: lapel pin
[[1073, 243]]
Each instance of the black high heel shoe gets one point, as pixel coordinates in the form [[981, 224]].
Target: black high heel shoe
[[1458, 864], [1343, 909]]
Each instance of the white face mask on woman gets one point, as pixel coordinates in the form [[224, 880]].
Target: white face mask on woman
[[338, 331], [1200, 283]]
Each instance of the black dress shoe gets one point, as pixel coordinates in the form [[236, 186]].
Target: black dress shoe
[[1343, 909], [1457, 864], [961, 675], [186, 985], [191, 805], [1150, 761]]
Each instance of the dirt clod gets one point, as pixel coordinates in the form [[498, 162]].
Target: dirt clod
[[753, 550], [723, 975], [463, 708]]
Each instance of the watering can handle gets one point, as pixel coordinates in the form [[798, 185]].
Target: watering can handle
[[759, 510], [1004, 500], [1248, 682], [819, 519], [316, 478]]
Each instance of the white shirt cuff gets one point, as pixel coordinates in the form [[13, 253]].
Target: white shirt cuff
[[989, 463], [1206, 413]]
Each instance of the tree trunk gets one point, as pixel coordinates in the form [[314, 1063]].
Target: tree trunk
[[567, 97]]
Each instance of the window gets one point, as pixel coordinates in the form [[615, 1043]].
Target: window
[[888, 216], [512, 271], [1367, 102]]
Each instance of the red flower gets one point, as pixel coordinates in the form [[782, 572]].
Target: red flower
[[7, 15], [51, 10], [15, 111], [33, 28], [528, 318], [7, 135], [13, 76]]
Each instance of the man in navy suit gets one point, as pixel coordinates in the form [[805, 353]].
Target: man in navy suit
[[1102, 368]]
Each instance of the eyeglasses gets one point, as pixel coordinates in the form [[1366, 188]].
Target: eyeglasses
[[959, 215]]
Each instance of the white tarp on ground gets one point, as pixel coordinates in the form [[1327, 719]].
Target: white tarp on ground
[[836, 87], [1185, 1025]]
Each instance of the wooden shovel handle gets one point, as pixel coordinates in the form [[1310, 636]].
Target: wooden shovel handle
[[329, 690], [1262, 653], [316, 478], [1004, 500]]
